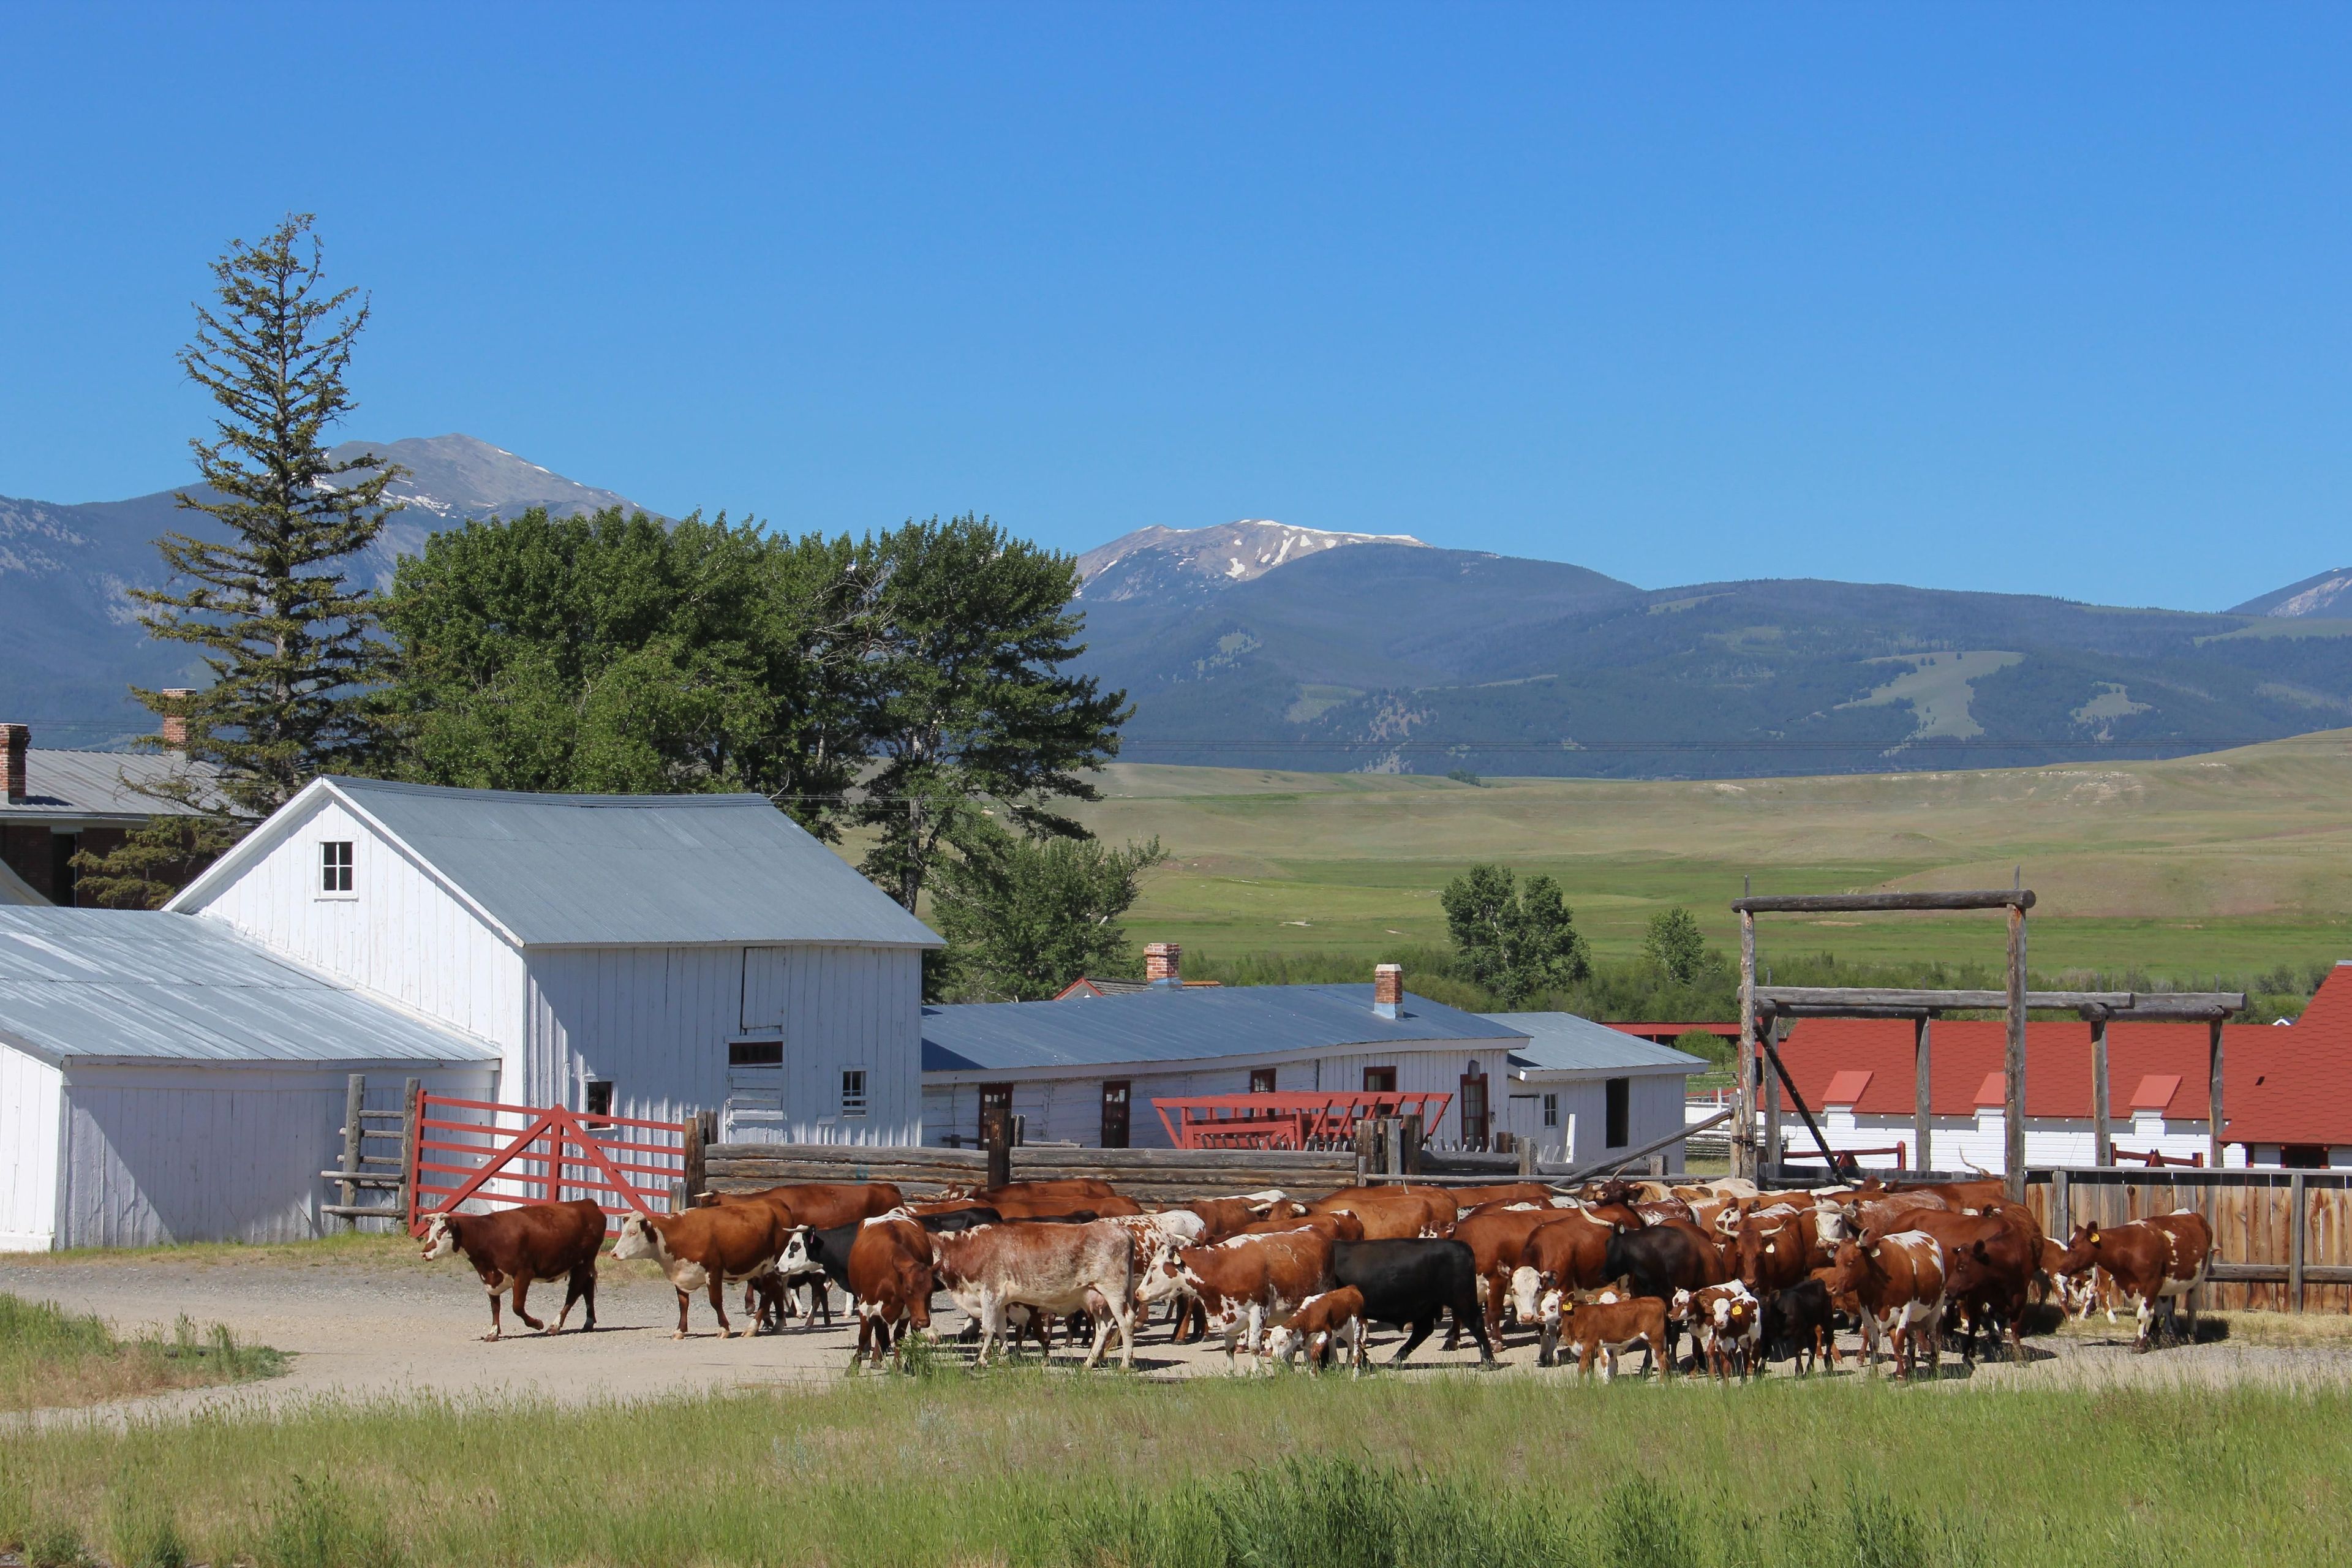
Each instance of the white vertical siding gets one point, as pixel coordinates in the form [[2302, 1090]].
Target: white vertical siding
[[655, 1022], [185, 1153], [1980, 1140], [31, 1111], [402, 934]]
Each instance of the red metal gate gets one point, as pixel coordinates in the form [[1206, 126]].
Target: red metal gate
[[626, 1166], [1277, 1120]]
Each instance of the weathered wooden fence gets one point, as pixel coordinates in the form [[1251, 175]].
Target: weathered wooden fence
[[2282, 1240], [1151, 1176]]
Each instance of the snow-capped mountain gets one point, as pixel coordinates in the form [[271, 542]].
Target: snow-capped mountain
[[2328, 594], [1158, 562]]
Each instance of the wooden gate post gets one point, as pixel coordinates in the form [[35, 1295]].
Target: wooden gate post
[[1526, 1150], [2213, 1066], [2014, 1063], [2298, 1216], [696, 1150], [2061, 1202], [1743, 1125], [1000, 1150], [1923, 1105], [411, 1104], [1410, 1135], [1769, 1159], [2102, 1130], [354, 1098]]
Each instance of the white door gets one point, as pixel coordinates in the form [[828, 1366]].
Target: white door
[[754, 1112]]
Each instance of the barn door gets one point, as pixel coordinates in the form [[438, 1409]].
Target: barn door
[[1474, 1108], [754, 1109], [1115, 1098], [995, 1106]]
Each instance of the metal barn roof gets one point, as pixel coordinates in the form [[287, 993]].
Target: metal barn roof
[[80, 786], [1174, 1024], [133, 985], [627, 870], [1565, 1041]]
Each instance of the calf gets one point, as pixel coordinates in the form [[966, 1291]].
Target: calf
[[517, 1248], [1322, 1324], [1727, 1322], [1898, 1283], [1052, 1269], [1599, 1329], [705, 1247], [1410, 1281], [1244, 1283], [1798, 1325], [2151, 1261], [1659, 1260]]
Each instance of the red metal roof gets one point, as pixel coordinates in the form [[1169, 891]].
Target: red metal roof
[[2284, 1085]]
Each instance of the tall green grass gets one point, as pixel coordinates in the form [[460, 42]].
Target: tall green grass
[[52, 1357], [1031, 1469]]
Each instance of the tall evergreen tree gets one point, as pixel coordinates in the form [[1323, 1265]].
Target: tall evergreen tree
[[968, 700], [288, 639]]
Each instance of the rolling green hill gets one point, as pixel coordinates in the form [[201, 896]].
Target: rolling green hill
[[2231, 862]]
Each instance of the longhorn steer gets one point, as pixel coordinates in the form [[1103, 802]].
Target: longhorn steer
[[1053, 1270], [1898, 1283], [2151, 1261], [517, 1248]]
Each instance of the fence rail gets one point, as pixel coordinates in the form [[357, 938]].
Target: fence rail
[[482, 1151], [1155, 1175], [2282, 1240]]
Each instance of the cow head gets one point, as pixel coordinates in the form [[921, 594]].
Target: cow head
[[1970, 1267], [640, 1237], [2082, 1249], [1164, 1275], [1180, 1225], [440, 1238], [1526, 1290], [1756, 1244], [799, 1254], [1679, 1308]]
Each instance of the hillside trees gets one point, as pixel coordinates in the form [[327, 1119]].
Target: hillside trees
[[1674, 943], [288, 640], [1513, 938]]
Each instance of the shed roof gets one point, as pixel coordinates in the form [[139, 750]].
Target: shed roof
[[2294, 1085], [80, 786], [615, 871], [1182, 1022], [133, 985], [1566, 1042]]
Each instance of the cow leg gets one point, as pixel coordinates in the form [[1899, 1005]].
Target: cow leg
[[582, 1283], [681, 1317], [1103, 1326], [991, 1326], [1478, 1333], [1421, 1329], [522, 1287], [495, 1328], [718, 1306], [2147, 1319]]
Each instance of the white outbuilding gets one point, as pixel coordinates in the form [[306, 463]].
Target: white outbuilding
[[1581, 1091], [161, 1078], [631, 956]]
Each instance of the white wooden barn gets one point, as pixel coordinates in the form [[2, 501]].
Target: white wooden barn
[[163, 1079], [1086, 1068], [636, 955]]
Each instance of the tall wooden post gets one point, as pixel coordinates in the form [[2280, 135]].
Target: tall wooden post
[[1923, 1105], [1000, 1150], [1770, 1156], [411, 1111], [2218, 1134], [1743, 1125], [2013, 1100], [354, 1101], [2299, 1207], [2103, 1129]]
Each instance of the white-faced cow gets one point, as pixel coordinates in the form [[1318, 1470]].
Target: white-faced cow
[[517, 1248]]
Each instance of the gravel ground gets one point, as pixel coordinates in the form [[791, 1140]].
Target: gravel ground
[[380, 1326]]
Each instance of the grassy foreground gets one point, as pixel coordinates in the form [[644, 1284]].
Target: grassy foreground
[[1030, 1469], [49, 1357], [2232, 862]]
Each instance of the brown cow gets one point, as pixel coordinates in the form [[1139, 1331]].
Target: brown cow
[[705, 1247], [1465, 1199], [1052, 1268], [1898, 1282], [1392, 1213], [1497, 1241], [1228, 1216], [891, 1276], [1771, 1254], [1322, 1324], [1569, 1256], [519, 1247], [2150, 1261], [1244, 1283], [1055, 1187], [823, 1206], [1599, 1329]]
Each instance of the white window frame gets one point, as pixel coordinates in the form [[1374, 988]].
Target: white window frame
[[349, 867], [857, 1100]]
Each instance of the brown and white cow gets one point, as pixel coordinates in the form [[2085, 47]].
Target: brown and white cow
[[517, 1248], [1898, 1282], [2151, 1262], [1056, 1269], [890, 1280], [1728, 1321], [1497, 1239], [1599, 1329], [823, 1206], [1393, 1214], [1244, 1283], [1226, 1216], [703, 1248], [1323, 1323]]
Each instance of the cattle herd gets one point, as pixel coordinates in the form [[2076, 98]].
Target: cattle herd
[[1750, 1276]]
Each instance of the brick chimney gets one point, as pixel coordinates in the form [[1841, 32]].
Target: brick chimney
[[19, 739], [1387, 988], [176, 725], [1163, 963]]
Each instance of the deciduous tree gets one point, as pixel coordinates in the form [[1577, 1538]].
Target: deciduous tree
[[1513, 938], [1025, 917]]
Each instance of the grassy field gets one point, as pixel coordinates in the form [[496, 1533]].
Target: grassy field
[[1022, 1468], [51, 1358], [2232, 863]]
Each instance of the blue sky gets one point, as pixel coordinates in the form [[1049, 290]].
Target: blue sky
[[2033, 298]]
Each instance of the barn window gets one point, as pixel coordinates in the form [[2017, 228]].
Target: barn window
[[1261, 1080], [853, 1091], [2303, 1156], [1380, 1080], [600, 1097], [335, 866], [1551, 1110], [1621, 1111], [755, 1053]]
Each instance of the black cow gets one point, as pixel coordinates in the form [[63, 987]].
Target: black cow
[[1410, 1281], [1660, 1260], [1798, 1324]]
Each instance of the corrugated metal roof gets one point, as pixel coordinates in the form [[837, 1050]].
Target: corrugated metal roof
[[1565, 1041], [66, 784], [15, 890], [637, 869], [1174, 1024], [129, 985]]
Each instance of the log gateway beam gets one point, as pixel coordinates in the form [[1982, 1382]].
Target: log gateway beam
[[1775, 1004]]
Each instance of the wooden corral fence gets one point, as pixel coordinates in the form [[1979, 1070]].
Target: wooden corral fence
[[1151, 1175], [484, 1153], [2283, 1239], [1296, 1120]]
